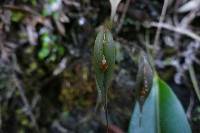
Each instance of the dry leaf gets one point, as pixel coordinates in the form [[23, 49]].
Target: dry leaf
[[114, 5], [191, 5]]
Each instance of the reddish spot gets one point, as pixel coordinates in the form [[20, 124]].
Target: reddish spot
[[143, 92], [103, 67]]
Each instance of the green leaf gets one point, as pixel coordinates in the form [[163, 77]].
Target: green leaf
[[17, 16], [43, 53], [109, 52], [104, 49], [97, 57], [162, 112], [119, 54]]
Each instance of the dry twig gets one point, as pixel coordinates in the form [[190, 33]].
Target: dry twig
[[26, 103], [123, 16], [180, 30], [162, 16], [194, 81], [190, 107]]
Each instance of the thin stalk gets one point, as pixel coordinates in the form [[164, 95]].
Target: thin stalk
[[106, 113], [161, 19], [194, 81]]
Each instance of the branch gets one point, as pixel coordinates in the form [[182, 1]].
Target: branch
[[123, 16], [180, 30], [194, 81], [26, 103], [162, 16]]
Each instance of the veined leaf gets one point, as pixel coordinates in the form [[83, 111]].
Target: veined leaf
[[103, 61], [162, 112]]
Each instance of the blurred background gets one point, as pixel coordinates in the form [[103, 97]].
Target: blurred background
[[47, 82]]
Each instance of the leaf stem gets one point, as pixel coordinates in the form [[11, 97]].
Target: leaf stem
[[106, 113]]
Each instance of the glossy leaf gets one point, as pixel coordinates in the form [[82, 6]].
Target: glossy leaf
[[104, 52], [162, 112]]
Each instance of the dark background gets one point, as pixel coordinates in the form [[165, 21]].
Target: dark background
[[47, 80]]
